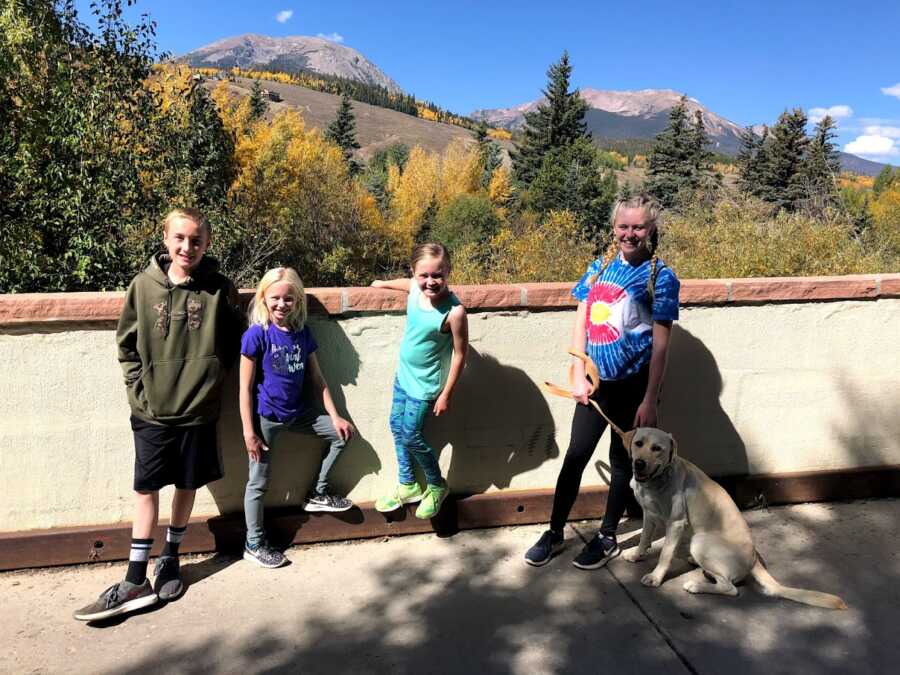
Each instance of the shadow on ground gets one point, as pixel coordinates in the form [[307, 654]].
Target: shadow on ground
[[427, 616], [469, 605]]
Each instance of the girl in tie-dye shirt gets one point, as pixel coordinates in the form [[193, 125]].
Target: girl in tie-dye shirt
[[628, 300]]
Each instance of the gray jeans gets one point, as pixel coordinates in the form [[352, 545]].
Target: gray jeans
[[310, 422]]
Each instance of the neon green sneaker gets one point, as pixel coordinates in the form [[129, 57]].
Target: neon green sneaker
[[403, 494], [432, 500]]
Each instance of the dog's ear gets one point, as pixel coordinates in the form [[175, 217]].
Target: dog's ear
[[673, 448], [627, 437]]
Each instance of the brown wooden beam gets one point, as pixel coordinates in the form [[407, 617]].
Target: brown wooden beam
[[73, 545]]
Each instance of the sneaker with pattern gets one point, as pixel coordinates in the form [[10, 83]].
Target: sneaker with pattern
[[264, 555], [326, 501]]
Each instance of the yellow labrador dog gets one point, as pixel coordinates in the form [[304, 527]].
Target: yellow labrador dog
[[698, 517]]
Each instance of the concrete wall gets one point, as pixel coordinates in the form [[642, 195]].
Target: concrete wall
[[765, 376]]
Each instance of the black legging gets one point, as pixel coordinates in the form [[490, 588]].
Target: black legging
[[620, 400]]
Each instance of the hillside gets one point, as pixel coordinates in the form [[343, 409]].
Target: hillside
[[289, 54], [375, 127]]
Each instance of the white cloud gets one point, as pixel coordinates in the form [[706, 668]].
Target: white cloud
[[331, 37], [888, 132], [892, 91], [284, 15], [836, 112], [873, 146]]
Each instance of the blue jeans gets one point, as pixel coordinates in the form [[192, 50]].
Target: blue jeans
[[309, 422], [407, 419]]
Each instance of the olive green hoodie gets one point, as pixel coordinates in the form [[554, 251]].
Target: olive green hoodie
[[175, 342]]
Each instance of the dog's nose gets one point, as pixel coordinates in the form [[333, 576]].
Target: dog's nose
[[640, 464]]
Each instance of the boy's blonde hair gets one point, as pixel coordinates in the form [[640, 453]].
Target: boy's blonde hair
[[189, 214], [259, 313], [652, 210], [429, 250]]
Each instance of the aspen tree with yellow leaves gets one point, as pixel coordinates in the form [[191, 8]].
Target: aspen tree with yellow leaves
[[413, 193], [500, 191], [460, 171], [294, 194]]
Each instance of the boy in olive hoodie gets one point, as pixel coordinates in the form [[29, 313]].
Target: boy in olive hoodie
[[180, 327]]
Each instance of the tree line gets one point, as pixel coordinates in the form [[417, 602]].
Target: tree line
[[99, 138]]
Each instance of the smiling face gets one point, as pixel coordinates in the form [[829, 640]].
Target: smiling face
[[651, 450], [633, 233], [431, 277], [186, 241], [281, 302]]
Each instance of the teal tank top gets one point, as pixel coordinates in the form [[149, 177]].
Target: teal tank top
[[425, 351]]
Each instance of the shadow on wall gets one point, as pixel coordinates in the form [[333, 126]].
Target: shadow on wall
[[869, 432], [297, 457], [499, 425], [691, 411]]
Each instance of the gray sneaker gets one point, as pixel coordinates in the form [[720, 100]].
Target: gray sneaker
[[167, 584], [264, 555], [118, 599]]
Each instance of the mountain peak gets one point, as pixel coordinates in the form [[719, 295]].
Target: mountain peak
[[638, 113], [294, 52]]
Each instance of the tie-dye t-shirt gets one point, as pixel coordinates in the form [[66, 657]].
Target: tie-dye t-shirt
[[619, 316]]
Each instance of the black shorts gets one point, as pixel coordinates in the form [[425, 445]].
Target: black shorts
[[186, 457]]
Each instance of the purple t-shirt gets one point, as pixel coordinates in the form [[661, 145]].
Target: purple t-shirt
[[281, 358]]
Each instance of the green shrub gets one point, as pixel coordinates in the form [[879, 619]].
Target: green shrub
[[466, 219]]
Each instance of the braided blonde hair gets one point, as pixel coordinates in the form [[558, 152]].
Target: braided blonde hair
[[652, 210]]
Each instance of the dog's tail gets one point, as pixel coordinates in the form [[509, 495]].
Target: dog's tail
[[773, 588]]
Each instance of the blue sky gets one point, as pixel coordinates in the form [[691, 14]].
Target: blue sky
[[747, 61]]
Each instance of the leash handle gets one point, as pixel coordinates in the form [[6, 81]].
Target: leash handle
[[594, 376]]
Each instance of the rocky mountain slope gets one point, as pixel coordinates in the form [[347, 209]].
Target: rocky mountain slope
[[627, 114], [643, 114], [289, 54]]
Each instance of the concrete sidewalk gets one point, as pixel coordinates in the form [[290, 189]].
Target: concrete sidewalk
[[468, 604]]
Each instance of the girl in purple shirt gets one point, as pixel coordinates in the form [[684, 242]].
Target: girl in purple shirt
[[277, 351]]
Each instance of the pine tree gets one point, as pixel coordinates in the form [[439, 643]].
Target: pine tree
[[885, 179], [259, 106], [783, 180], [490, 152], [701, 155], [557, 122], [573, 178], [822, 164], [751, 161], [670, 167], [342, 132]]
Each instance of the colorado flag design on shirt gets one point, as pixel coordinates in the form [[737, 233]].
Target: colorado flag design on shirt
[[620, 316]]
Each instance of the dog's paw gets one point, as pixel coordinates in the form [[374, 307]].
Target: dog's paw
[[651, 580], [634, 555], [692, 586]]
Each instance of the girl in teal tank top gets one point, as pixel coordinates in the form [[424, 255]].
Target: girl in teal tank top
[[432, 356]]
